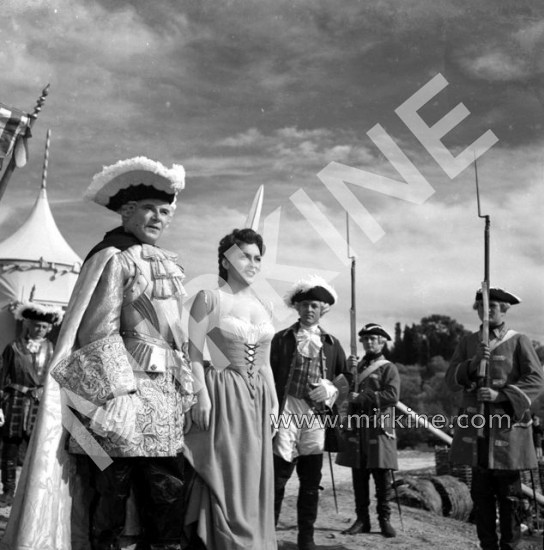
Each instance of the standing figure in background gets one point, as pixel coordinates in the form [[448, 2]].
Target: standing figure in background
[[372, 446], [504, 446], [24, 365], [305, 360], [231, 501]]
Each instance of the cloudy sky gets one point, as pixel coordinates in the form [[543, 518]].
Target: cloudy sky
[[247, 92]]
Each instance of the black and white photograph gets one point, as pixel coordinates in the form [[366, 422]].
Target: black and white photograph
[[271, 274]]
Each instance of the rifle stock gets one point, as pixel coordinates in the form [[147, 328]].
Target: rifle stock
[[352, 313], [483, 367]]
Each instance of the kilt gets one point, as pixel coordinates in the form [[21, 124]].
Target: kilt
[[20, 411]]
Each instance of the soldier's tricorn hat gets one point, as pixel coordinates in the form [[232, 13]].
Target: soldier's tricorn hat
[[499, 295], [37, 312], [311, 288], [135, 179], [374, 328]]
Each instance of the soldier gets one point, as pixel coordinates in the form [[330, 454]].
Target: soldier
[[372, 446], [305, 359], [24, 365], [127, 359], [504, 446]]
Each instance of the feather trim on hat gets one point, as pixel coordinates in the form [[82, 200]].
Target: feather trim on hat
[[307, 284], [132, 172], [36, 311]]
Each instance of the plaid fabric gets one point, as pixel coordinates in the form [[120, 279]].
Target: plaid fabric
[[21, 376], [306, 371], [13, 123], [21, 411]]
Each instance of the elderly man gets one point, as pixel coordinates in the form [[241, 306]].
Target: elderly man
[[372, 446], [305, 359], [504, 446], [23, 368], [127, 374]]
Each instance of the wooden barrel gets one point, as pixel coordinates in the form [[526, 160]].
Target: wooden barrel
[[418, 492], [410, 497], [463, 473], [431, 497], [456, 500]]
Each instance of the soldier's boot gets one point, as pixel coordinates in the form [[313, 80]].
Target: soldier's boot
[[9, 476], [485, 516], [360, 525], [309, 473], [362, 502], [282, 472], [510, 511], [383, 496]]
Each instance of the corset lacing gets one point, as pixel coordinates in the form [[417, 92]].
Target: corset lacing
[[250, 351]]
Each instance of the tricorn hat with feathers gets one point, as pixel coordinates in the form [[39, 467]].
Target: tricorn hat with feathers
[[135, 179], [311, 288], [36, 312]]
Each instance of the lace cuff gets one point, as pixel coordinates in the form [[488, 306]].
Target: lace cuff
[[98, 371]]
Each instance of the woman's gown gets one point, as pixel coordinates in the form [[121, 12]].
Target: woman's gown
[[232, 498]]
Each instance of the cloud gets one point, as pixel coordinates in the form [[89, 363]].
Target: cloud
[[244, 139], [249, 93]]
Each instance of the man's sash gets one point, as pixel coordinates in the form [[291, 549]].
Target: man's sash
[[368, 371]]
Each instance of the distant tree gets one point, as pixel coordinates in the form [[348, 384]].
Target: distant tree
[[410, 345], [436, 365], [410, 385], [441, 335], [397, 352], [436, 398]]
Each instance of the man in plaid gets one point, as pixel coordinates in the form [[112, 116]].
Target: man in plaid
[[24, 365], [305, 359]]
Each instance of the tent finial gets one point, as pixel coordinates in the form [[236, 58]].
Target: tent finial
[[46, 159]]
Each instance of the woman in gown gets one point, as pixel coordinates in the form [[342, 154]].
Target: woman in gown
[[230, 442]]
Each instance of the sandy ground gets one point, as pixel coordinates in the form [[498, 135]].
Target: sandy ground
[[422, 530]]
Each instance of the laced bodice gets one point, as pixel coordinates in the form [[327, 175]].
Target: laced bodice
[[237, 343]]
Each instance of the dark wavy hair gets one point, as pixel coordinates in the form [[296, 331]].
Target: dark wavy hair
[[237, 237]]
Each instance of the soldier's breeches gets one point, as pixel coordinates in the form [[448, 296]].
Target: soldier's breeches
[[360, 479], [490, 487]]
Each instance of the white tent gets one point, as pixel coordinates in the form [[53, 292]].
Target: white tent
[[37, 264]]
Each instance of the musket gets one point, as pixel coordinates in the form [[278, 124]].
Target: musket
[[352, 309], [483, 367], [333, 484], [11, 166]]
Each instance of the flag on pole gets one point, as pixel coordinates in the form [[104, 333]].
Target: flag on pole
[[14, 127]]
